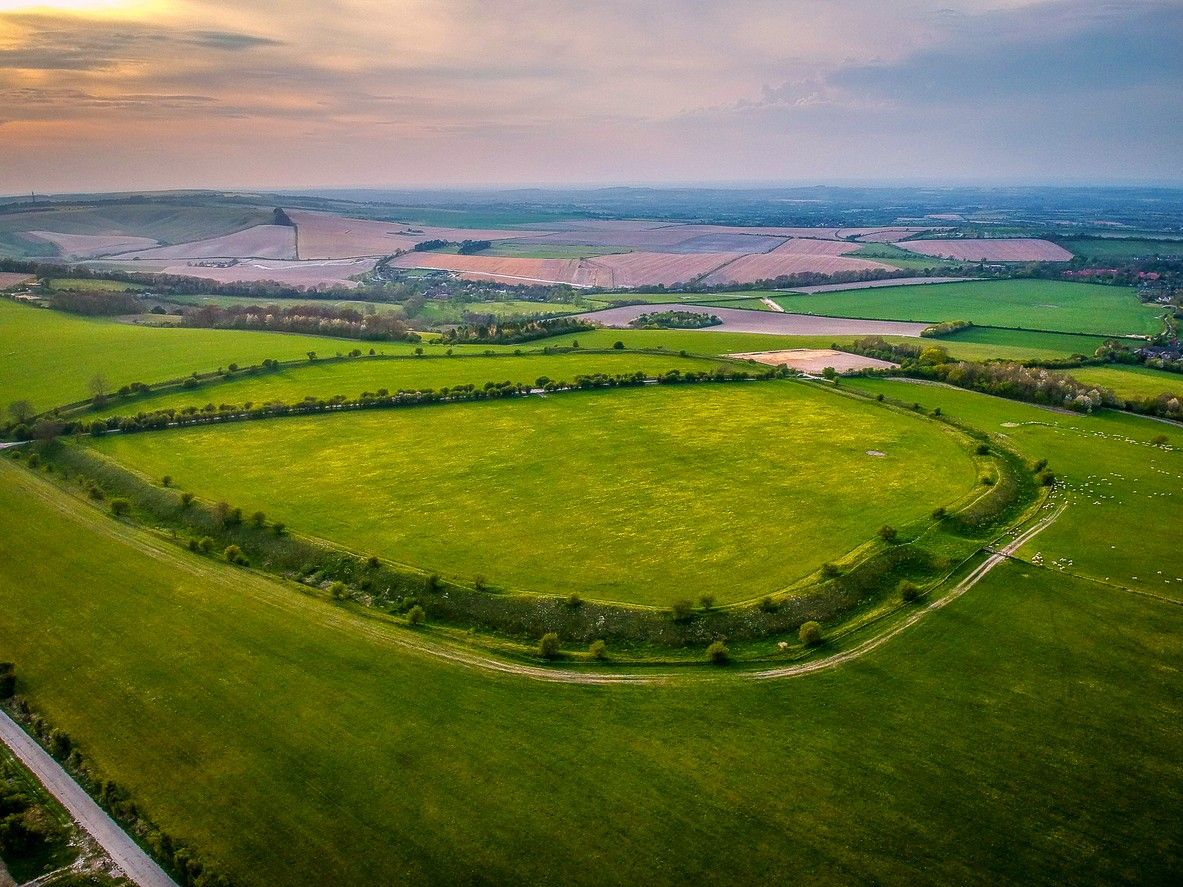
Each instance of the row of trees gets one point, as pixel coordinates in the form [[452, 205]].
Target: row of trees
[[512, 332], [314, 319]]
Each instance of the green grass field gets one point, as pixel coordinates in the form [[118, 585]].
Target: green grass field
[[351, 378], [1013, 736], [636, 496], [550, 251], [1131, 382], [1020, 344], [1050, 305], [1125, 500], [453, 312], [82, 283], [890, 254], [1119, 249]]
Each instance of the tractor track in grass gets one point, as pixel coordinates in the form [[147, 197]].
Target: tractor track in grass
[[273, 593]]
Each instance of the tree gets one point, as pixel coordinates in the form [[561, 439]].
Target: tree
[[206, 544], [939, 513], [598, 650], [707, 601], [98, 387], [718, 654], [831, 571], [416, 615], [810, 634], [619, 346], [120, 507], [548, 647], [767, 604], [167, 480], [259, 518], [234, 555], [21, 411], [337, 590], [888, 534], [574, 600], [7, 680], [373, 562], [681, 610], [186, 499], [278, 528], [909, 591]]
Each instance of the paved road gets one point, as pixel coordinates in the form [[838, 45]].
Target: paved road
[[126, 854]]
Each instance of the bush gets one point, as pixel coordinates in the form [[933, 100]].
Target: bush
[[909, 591], [186, 500], [548, 647], [939, 513], [234, 555], [259, 518], [416, 615], [373, 562], [279, 528], [598, 650], [618, 345], [831, 571], [767, 604], [981, 450], [987, 481], [810, 634], [707, 601], [718, 654], [1046, 478], [574, 601], [337, 590], [120, 507], [206, 544], [167, 480], [888, 534], [680, 610], [95, 492], [7, 680]]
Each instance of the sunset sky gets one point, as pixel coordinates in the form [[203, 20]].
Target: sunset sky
[[110, 95]]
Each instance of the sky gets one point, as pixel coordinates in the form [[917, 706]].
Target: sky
[[102, 95]]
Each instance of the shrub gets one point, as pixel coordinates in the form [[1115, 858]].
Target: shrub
[[981, 450], [34, 460], [279, 528], [681, 610], [480, 584], [767, 604], [939, 513], [831, 571], [186, 500], [598, 650], [337, 590], [167, 480], [718, 654], [416, 615], [373, 562], [7, 680], [987, 481], [234, 555], [432, 582], [888, 534], [707, 601], [1039, 466], [810, 634], [618, 345], [1046, 478], [909, 591], [574, 601], [548, 647], [95, 492], [120, 507], [206, 544], [259, 518]]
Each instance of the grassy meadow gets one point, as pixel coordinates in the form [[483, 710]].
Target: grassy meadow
[[1131, 382], [1125, 492], [1012, 736], [1050, 305], [634, 495]]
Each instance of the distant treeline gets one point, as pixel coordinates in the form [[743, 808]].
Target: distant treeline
[[326, 320], [512, 332]]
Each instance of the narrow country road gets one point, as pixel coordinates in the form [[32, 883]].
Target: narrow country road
[[124, 852]]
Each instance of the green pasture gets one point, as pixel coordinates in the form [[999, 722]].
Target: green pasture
[[1131, 382], [454, 312], [1026, 733], [890, 254], [353, 377], [550, 250], [635, 495], [1018, 344], [1125, 493], [83, 283], [1120, 249], [1051, 305]]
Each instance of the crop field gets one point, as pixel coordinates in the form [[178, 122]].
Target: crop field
[[1022, 249], [1020, 344], [350, 378], [1031, 689], [310, 274], [634, 497], [88, 246], [1125, 493], [165, 223], [1131, 382], [9, 279], [329, 236], [513, 248], [1050, 305], [258, 242]]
